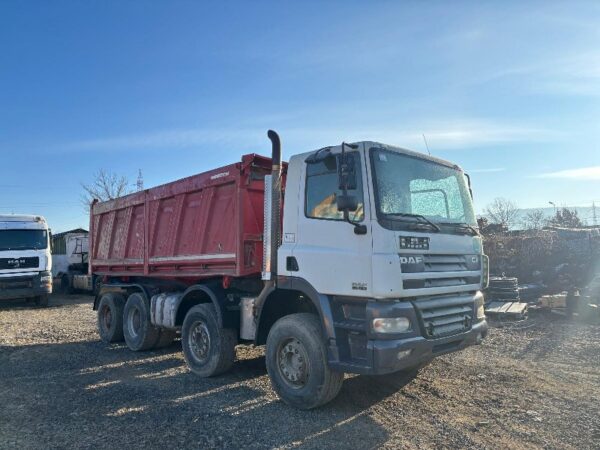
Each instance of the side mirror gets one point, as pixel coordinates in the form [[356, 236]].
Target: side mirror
[[347, 203], [347, 172]]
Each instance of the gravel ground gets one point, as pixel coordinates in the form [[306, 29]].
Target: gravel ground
[[530, 385]]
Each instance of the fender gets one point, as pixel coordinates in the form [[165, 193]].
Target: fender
[[319, 301], [217, 296], [145, 290]]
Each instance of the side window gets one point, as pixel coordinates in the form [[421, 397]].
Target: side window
[[322, 191]]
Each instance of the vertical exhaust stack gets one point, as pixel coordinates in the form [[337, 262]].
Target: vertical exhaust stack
[[275, 206], [271, 236], [272, 215]]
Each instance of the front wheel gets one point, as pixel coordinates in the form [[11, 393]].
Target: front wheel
[[41, 300], [208, 349], [296, 359], [65, 284]]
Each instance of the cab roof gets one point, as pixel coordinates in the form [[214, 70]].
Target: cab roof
[[373, 144], [21, 218]]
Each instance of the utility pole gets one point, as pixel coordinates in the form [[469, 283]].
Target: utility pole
[[139, 185]]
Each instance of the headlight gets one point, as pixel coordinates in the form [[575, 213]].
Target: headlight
[[479, 306], [391, 325], [46, 279], [485, 271]]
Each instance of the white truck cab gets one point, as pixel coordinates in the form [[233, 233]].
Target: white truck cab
[[25, 260], [387, 239]]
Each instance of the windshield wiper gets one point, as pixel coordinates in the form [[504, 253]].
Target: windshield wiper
[[463, 227], [423, 220]]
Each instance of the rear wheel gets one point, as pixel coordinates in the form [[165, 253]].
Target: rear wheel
[[296, 360], [110, 317], [208, 349], [139, 333]]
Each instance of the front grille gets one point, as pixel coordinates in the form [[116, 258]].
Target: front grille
[[19, 263], [26, 283], [443, 270], [444, 316], [440, 282], [445, 263]]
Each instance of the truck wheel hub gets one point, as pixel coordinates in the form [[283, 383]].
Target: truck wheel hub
[[199, 341], [134, 321], [106, 317], [292, 365]]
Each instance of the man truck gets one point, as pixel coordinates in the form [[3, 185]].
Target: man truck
[[25, 261], [356, 258]]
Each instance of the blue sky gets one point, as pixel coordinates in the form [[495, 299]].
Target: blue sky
[[510, 91]]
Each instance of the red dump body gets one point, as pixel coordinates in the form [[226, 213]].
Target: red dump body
[[206, 225]]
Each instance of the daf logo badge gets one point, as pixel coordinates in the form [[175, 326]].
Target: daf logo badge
[[411, 259]]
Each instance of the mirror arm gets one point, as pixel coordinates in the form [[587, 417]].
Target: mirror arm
[[359, 228]]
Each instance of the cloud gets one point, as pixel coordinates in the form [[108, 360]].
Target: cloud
[[572, 75], [182, 138], [440, 135], [584, 173]]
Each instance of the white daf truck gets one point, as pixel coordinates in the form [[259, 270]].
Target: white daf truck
[[25, 260], [374, 266]]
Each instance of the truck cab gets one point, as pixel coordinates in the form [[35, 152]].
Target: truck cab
[[70, 261], [25, 261], [397, 275]]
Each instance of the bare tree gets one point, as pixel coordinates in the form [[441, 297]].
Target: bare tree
[[534, 220], [565, 217], [105, 186], [502, 211]]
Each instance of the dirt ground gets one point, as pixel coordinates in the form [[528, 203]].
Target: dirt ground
[[530, 385]]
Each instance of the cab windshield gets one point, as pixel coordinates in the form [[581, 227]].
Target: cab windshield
[[407, 187], [23, 240]]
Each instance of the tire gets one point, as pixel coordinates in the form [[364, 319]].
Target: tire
[[65, 284], [110, 318], [296, 359], [41, 300], [138, 332], [208, 349], [166, 338], [96, 285]]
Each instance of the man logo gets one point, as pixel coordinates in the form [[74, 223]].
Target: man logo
[[411, 259]]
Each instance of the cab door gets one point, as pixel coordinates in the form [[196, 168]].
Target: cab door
[[330, 255]]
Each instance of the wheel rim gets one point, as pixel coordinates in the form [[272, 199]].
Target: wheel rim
[[134, 321], [292, 363], [199, 341], [106, 317]]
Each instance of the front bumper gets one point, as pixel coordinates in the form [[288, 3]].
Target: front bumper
[[378, 354], [385, 353], [26, 286]]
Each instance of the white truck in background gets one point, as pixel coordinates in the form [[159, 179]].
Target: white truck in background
[[70, 261], [25, 260]]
